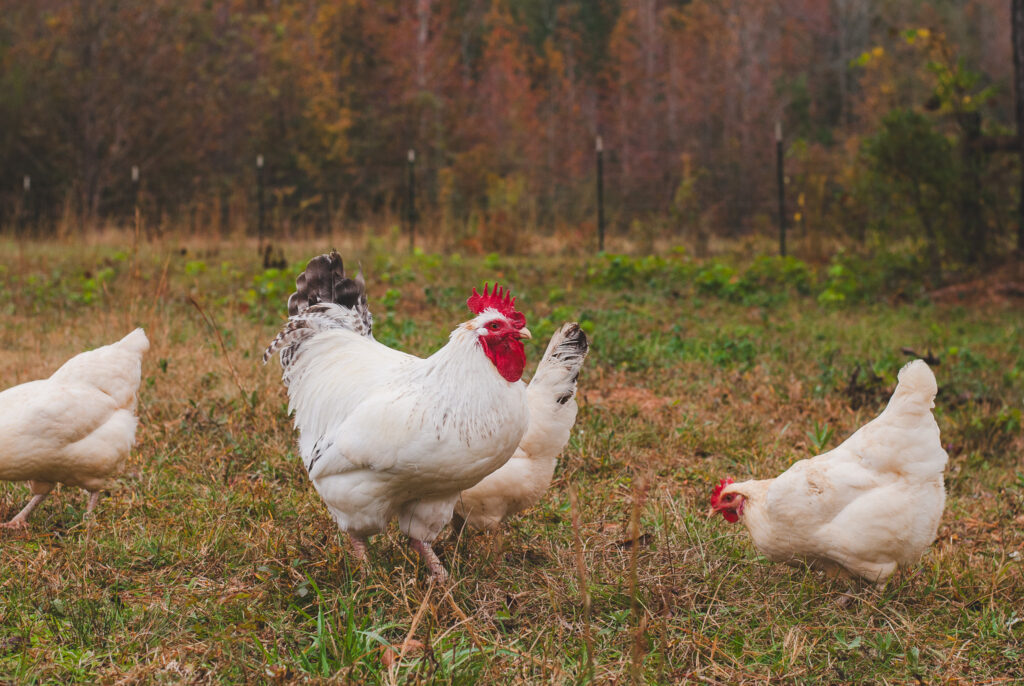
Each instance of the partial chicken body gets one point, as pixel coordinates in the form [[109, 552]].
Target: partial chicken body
[[551, 397], [384, 434], [868, 506], [75, 427]]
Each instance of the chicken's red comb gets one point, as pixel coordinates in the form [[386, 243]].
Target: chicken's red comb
[[729, 515], [715, 494], [498, 299]]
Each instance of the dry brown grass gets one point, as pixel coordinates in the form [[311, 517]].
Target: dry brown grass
[[213, 559]]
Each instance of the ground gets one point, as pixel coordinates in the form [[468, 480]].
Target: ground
[[212, 559]]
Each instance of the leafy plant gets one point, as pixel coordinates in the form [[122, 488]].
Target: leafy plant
[[820, 436]]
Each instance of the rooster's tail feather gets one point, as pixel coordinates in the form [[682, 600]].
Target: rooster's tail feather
[[324, 298], [324, 281]]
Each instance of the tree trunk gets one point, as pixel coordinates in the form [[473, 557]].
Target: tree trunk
[[1017, 31]]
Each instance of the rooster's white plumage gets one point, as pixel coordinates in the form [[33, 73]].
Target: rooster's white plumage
[[387, 435], [863, 509], [523, 480], [75, 427]]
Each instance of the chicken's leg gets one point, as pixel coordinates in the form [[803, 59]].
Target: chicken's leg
[[94, 497], [20, 520], [437, 572], [40, 489]]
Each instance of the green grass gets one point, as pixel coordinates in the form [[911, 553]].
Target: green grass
[[213, 559]]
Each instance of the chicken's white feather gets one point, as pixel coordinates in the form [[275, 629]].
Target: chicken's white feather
[[388, 435], [869, 505], [77, 426], [523, 480]]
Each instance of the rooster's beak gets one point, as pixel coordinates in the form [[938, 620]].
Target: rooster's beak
[[525, 333], [711, 512]]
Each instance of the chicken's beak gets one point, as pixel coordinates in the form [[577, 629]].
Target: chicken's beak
[[711, 512], [525, 333]]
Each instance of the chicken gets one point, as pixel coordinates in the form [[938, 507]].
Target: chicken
[[863, 509], [384, 434], [522, 481], [75, 427]]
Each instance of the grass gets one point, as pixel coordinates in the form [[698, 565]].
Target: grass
[[213, 559]]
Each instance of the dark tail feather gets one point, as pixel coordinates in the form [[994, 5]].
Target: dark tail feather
[[324, 281], [324, 298]]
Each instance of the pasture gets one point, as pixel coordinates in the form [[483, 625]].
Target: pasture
[[213, 560]]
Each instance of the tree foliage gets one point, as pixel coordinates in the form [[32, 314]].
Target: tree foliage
[[501, 99]]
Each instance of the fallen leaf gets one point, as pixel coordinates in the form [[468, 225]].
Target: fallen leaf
[[412, 648]]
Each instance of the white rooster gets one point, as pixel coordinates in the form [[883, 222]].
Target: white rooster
[[384, 434], [523, 480], [76, 427], [863, 509]]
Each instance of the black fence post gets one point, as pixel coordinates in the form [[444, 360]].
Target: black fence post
[[26, 202], [136, 216], [412, 200], [599, 148], [260, 225], [781, 180]]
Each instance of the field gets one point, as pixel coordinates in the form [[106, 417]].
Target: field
[[212, 559]]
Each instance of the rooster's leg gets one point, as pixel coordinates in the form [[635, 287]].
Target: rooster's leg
[[358, 547], [94, 497], [20, 520], [437, 572]]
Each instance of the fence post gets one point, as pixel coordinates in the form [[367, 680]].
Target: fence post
[[259, 203], [599, 149], [781, 180], [26, 202], [412, 200], [135, 197]]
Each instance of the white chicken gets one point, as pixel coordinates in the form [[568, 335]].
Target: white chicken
[[863, 509], [384, 434], [76, 427], [522, 481]]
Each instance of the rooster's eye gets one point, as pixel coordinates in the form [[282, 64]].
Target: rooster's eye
[[493, 326]]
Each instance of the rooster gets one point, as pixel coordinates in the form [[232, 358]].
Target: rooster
[[387, 435], [75, 427], [863, 509], [522, 481]]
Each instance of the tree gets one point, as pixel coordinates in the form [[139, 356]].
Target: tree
[[915, 162], [1017, 20]]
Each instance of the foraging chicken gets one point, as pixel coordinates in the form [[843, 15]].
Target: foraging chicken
[[384, 434], [522, 481], [75, 427], [862, 509]]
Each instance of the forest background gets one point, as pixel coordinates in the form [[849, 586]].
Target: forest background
[[897, 120]]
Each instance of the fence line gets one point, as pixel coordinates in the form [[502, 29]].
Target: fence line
[[620, 201]]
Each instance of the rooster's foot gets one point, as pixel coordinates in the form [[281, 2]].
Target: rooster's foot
[[358, 547], [437, 572]]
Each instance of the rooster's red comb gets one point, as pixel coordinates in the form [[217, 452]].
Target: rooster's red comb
[[498, 299]]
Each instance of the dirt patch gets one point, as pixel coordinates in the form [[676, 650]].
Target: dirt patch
[[629, 396], [1001, 285]]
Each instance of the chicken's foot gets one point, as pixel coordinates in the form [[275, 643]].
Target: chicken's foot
[[20, 520]]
